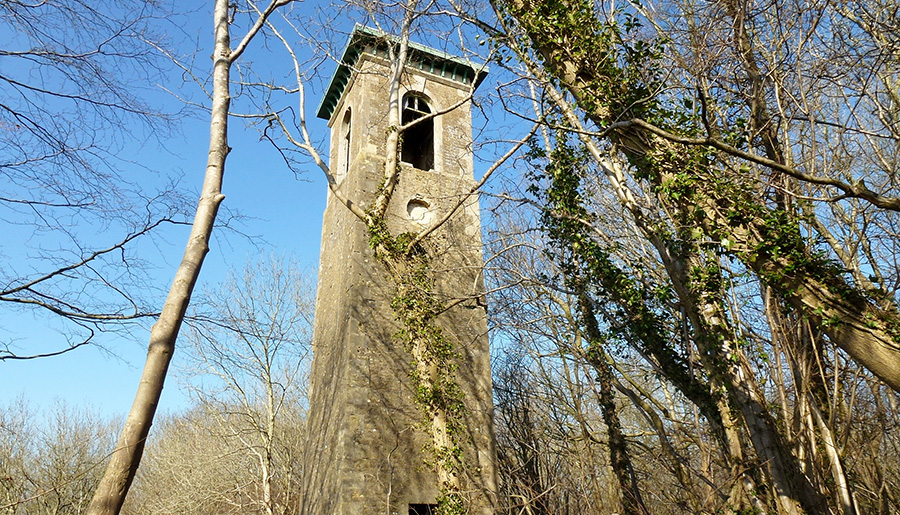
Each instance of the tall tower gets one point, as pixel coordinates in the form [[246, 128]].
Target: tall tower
[[365, 452]]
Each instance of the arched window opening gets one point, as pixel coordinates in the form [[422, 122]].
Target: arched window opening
[[418, 140], [344, 149]]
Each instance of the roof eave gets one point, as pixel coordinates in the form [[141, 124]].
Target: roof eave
[[351, 53]]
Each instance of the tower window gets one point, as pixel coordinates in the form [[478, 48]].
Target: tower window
[[418, 140], [344, 148]]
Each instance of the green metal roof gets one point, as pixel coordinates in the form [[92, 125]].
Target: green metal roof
[[431, 60]]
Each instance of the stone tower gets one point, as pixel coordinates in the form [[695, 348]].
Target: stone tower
[[365, 452]]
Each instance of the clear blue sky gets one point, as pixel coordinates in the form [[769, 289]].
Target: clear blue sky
[[284, 212]]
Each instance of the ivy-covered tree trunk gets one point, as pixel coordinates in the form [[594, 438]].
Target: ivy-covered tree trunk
[[725, 358], [619, 458], [589, 267], [565, 218], [577, 50]]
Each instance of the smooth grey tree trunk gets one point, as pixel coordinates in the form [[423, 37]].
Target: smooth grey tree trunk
[[123, 464]]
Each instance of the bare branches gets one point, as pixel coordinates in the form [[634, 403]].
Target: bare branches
[[51, 459], [253, 339], [306, 144], [856, 189], [474, 190], [7, 354], [8, 293], [74, 94], [257, 25]]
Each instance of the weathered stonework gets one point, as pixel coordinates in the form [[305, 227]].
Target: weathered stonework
[[365, 441]]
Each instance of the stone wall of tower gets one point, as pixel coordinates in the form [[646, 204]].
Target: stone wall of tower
[[365, 441]]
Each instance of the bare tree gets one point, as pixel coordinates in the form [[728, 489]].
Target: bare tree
[[73, 81], [52, 460], [192, 466], [250, 350], [110, 494]]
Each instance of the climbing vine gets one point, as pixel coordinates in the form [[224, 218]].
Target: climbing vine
[[615, 80], [716, 211], [438, 395], [557, 185], [587, 268]]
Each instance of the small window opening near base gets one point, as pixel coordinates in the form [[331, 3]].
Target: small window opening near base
[[422, 509]]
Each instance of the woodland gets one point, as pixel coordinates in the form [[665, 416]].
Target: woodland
[[690, 217]]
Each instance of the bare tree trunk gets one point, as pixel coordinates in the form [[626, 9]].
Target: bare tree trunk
[[269, 437], [114, 485], [844, 493]]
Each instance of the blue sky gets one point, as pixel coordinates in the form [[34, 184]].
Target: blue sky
[[283, 214], [287, 217]]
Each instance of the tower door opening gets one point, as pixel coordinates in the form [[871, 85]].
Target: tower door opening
[[422, 509], [418, 140]]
